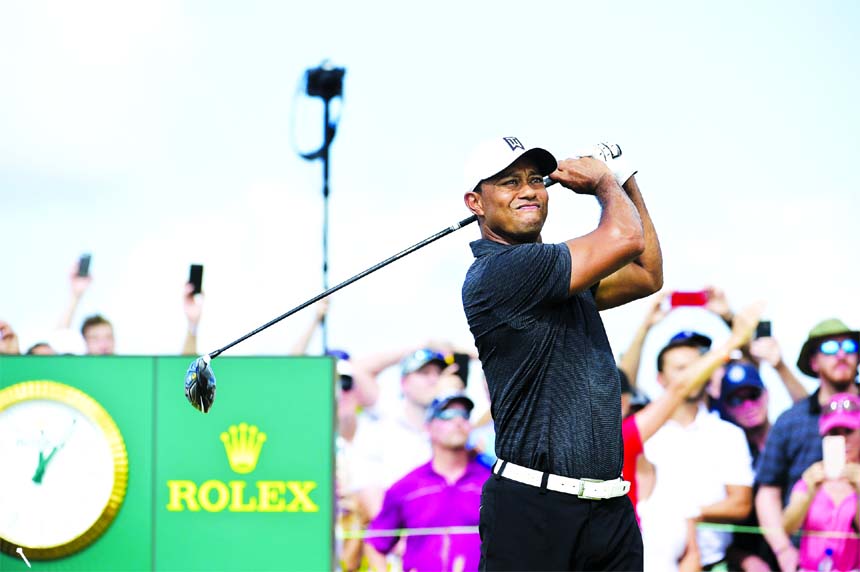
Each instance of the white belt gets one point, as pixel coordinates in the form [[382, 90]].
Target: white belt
[[583, 488]]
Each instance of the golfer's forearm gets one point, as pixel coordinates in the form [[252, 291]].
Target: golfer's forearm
[[620, 220], [651, 259]]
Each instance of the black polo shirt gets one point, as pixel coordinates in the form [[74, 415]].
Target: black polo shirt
[[554, 385]]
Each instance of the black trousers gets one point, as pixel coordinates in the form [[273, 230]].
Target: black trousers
[[525, 528]]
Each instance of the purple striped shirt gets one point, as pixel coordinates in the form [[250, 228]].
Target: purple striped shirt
[[423, 499]]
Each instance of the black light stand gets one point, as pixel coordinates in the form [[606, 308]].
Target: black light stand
[[326, 82]]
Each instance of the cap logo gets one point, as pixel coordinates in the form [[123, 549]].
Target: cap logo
[[736, 374], [514, 143]]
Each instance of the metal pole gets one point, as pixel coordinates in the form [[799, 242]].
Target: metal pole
[[325, 190]]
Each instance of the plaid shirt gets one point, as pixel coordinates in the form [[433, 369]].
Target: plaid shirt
[[792, 446]]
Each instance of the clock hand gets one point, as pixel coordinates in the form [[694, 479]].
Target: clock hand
[[43, 461]]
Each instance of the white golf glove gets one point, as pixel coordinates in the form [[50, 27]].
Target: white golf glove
[[617, 163], [610, 153]]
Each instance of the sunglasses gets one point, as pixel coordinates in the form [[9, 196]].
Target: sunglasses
[[428, 355], [736, 399], [832, 347], [448, 414], [837, 405]]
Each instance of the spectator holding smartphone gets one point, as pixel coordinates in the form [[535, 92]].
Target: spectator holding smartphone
[[8, 340], [830, 354], [765, 349], [744, 401], [96, 330], [192, 303], [822, 502]]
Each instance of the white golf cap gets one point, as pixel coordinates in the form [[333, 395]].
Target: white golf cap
[[493, 156]]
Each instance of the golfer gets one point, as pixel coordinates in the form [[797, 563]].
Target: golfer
[[556, 500]]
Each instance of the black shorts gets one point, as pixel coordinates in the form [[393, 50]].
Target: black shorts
[[525, 528]]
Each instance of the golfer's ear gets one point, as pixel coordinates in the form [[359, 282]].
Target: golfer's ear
[[473, 202]]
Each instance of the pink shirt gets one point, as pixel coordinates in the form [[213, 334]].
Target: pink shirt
[[823, 515]]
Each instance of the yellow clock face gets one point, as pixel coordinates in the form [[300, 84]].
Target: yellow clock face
[[65, 469]]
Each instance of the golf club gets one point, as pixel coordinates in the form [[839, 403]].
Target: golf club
[[200, 379]]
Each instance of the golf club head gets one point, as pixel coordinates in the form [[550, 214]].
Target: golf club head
[[200, 384]]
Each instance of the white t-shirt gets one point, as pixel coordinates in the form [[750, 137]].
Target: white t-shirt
[[384, 449], [693, 466]]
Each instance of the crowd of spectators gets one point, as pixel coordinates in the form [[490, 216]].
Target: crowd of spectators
[[715, 484]]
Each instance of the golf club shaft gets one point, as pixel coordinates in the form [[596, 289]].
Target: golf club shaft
[[359, 276]]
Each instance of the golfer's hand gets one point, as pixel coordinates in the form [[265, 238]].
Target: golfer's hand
[[586, 176]]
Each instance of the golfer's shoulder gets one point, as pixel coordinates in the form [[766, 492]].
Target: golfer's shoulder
[[497, 254]]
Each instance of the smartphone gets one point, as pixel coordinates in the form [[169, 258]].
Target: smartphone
[[762, 330], [195, 277], [833, 447], [462, 361], [695, 298], [84, 265]]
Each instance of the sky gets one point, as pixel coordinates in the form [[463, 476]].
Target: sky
[[163, 133]]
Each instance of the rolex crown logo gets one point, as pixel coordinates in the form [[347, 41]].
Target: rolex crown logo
[[243, 444]]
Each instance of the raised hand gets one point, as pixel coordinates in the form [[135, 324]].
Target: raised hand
[[852, 473], [766, 350], [745, 322], [814, 476], [583, 175], [718, 303], [193, 305], [78, 284], [658, 311], [8, 340]]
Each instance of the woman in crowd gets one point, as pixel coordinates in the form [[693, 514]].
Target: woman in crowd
[[825, 506]]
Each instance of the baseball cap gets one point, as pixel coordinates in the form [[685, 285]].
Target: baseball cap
[[687, 339], [419, 358], [843, 410], [492, 156], [738, 375], [441, 403], [826, 329]]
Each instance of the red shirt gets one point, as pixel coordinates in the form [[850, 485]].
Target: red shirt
[[632, 450]]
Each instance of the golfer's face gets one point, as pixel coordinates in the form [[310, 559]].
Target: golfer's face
[[514, 203]]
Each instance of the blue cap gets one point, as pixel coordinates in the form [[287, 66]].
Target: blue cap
[[441, 403], [686, 339], [418, 359], [737, 375]]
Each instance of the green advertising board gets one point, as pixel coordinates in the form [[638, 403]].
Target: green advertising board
[[248, 486]]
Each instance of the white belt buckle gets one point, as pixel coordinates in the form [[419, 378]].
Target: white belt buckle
[[583, 483]]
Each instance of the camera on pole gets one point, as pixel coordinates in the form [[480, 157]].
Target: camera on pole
[[326, 82]]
